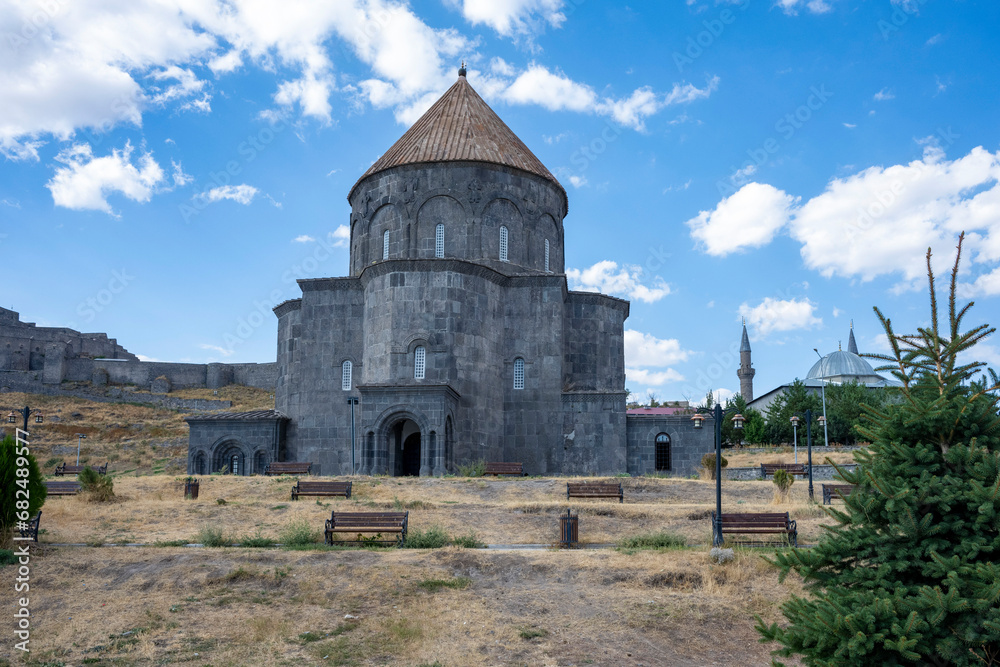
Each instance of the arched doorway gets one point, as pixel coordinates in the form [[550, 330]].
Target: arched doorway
[[406, 437]]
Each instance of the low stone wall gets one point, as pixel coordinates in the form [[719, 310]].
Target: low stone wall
[[820, 472], [27, 382]]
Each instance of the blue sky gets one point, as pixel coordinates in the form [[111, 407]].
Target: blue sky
[[170, 168]]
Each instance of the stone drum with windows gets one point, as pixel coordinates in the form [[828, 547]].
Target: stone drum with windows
[[455, 331]]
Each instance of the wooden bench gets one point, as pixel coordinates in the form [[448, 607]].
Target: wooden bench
[[393, 523], [56, 488], [595, 490], [30, 529], [64, 469], [759, 524], [791, 468], [831, 491], [502, 468], [287, 468], [321, 489]]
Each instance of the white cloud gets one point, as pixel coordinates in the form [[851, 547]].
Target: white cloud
[[884, 94], [837, 312], [578, 181], [780, 315], [187, 84], [643, 349], [850, 126], [747, 219], [85, 182], [180, 178], [882, 220], [648, 378], [815, 6], [341, 236], [215, 348], [304, 238], [510, 17], [606, 277], [557, 92], [877, 222], [241, 194]]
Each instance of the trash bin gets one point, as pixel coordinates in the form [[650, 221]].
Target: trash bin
[[569, 530], [191, 488]]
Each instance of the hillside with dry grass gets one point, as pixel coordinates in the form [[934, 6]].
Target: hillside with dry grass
[[96, 600]]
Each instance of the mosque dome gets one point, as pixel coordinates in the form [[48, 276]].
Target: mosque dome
[[842, 364]]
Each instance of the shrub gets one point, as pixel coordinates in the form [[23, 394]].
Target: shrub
[[99, 488], [783, 481], [7, 557], [11, 483], [708, 465], [470, 541], [211, 536], [257, 540], [432, 538], [476, 469], [299, 533], [721, 556]]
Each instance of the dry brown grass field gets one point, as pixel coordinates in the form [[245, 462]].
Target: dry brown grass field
[[162, 603]]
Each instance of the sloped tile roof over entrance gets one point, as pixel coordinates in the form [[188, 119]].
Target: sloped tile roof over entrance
[[460, 126]]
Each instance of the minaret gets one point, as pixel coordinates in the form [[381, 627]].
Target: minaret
[[745, 373], [852, 346]]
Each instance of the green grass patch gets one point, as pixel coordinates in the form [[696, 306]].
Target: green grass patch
[[532, 632], [299, 533], [432, 538], [470, 541], [660, 540], [210, 536], [256, 541], [434, 585]]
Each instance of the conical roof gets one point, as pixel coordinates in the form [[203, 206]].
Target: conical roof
[[460, 126], [745, 343], [852, 345]]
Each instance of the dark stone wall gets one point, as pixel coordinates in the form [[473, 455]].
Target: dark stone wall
[[472, 200], [213, 443], [687, 444]]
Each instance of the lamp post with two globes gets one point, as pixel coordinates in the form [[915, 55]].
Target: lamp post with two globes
[[717, 414]]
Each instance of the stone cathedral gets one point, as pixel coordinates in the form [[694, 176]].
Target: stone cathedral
[[455, 337]]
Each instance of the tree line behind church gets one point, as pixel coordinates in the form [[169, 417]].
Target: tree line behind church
[[844, 406]]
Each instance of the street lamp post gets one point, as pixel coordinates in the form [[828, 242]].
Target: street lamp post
[[795, 436], [717, 414], [26, 412], [353, 400], [79, 440], [826, 436]]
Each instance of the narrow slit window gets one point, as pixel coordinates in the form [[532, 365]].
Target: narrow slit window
[[234, 464], [345, 375], [503, 244], [439, 240], [385, 244], [519, 373], [419, 363], [547, 270]]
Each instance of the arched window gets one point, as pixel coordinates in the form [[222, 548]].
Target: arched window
[[259, 463], [547, 270], [385, 244], [419, 363], [519, 373], [199, 464], [503, 243], [345, 375], [663, 451], [439, 240], [234, 464]]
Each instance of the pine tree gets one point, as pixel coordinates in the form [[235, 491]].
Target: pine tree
[[909, 574], [14, 487]]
